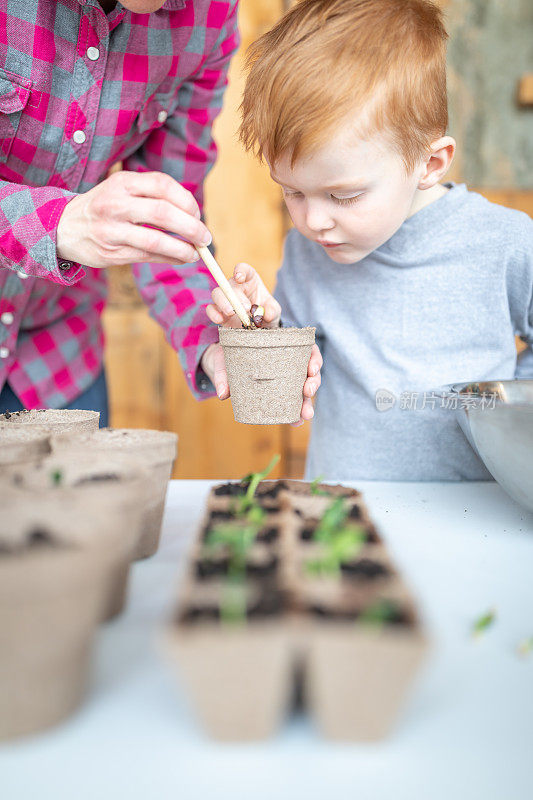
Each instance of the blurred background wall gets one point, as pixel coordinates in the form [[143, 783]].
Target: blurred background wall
[[491, 115]]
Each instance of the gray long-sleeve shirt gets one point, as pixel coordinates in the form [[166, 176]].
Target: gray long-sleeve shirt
[[439, 303]]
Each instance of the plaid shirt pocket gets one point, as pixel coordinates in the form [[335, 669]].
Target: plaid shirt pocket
[[14, 94]]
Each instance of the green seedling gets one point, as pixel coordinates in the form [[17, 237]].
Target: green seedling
[[56, 477], [236, 538], [341, 547], [341, 541], [314, 487], [255, 515], [233, 604], [482, 623], [253, 480], [379, 613]]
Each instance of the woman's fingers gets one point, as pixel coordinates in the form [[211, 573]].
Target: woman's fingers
[[162, 214], [151, 241], [158, 185]]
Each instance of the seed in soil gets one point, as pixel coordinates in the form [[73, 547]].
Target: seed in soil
[[207, 568], [230, 490], [365, 569], [271, 603], [257, 313], [268, 535], [272, 492], [395, 614], [194, 614]]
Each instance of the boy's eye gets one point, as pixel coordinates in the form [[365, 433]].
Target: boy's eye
[[346, 201], [286, 193]]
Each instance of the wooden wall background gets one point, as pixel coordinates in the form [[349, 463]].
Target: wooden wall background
[[244, 210]]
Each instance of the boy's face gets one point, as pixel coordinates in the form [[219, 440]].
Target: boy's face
[[350, 196]]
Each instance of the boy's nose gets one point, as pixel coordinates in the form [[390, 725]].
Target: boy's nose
[[318, 219]]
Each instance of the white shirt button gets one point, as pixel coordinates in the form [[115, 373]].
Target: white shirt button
[[79, 137], [7, 318], [4, 352], [22, 274], [93, 53], [162, 116]]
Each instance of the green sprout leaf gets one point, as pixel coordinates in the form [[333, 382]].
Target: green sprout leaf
[[342, 542], [233, 605], [379, 613], [56, 477], [254, 479], [482, 623], [314, 487], [237, 539]]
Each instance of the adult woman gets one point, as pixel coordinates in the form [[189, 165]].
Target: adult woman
[[84, 85]]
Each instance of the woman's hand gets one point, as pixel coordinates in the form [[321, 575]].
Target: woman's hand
[[107, 225]]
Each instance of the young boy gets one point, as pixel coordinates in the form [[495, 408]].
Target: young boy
[[412, 284]]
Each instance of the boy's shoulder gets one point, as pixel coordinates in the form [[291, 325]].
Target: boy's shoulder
[[496, 221]]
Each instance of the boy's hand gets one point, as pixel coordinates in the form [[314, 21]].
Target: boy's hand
[[251, 290], [214, 367]]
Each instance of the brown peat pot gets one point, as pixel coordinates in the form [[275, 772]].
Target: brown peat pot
[[96, 502], [153, 451], [54, 420], [240, 679], [51, 597], [350, 631], [266, 369], [22, 445]]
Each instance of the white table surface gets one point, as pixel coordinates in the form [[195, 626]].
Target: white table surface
[[465, 733]]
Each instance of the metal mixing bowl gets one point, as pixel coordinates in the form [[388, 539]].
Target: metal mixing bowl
[[497, 419]]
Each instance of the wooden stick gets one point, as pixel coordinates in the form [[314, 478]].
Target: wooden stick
[[225, 285]]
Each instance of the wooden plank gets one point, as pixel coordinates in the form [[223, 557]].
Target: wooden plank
[[519, 199], [525, 90], [243, 211], [133, 367], [211, 443]]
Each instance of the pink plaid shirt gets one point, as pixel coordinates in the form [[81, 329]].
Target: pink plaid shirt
[[79, 91]]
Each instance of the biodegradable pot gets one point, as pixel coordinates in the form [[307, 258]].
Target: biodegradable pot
[[267, 369], [154, 451], [357, 677], [22, 445], [50, 603], [240, 679], [98, 504], [55, 420]]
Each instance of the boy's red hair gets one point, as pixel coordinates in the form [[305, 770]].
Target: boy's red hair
[[381, 61]]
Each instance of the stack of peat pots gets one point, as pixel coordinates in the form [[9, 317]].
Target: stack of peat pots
[[73, 519], [319, 603]]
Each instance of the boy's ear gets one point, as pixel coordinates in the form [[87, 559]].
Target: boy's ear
[[437, 165]]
